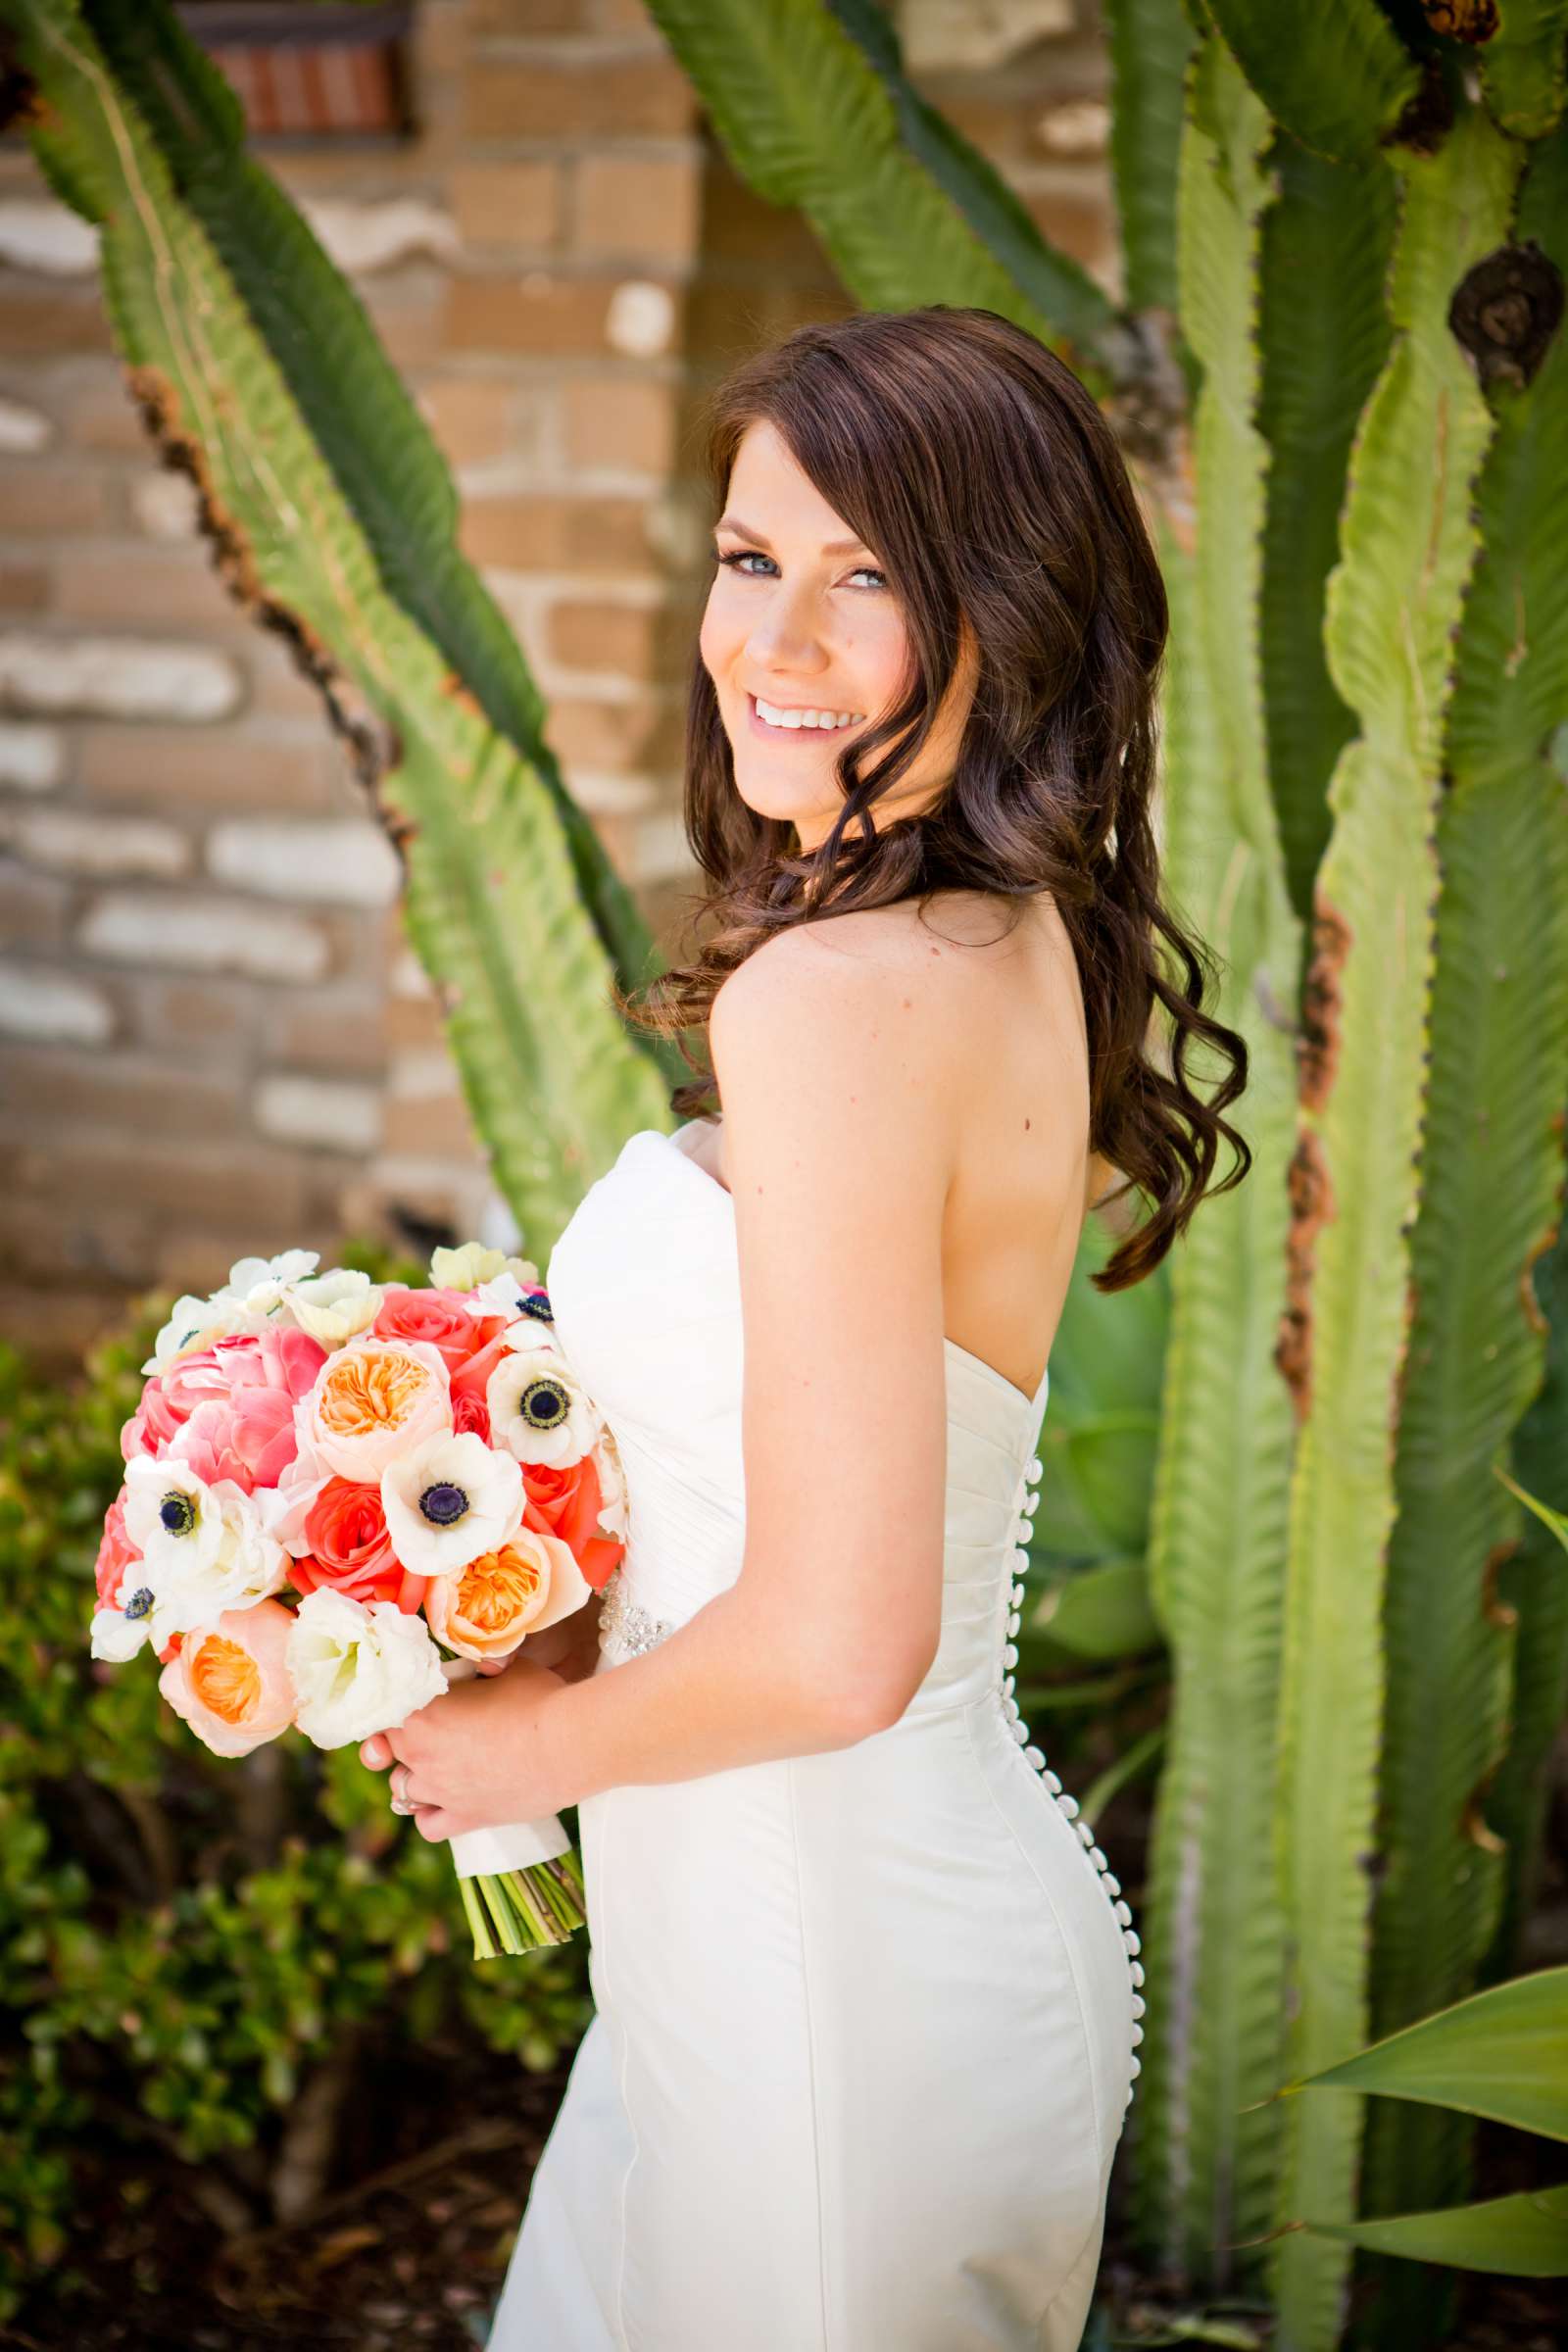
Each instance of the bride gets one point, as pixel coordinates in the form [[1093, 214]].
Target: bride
[[867, 1993]]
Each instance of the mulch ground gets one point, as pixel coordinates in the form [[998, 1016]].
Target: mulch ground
[[408, 2244]]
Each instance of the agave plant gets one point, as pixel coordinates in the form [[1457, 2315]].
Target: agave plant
[[1339, 371]]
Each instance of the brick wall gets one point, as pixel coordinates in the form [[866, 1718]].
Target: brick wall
[[212, 1038]]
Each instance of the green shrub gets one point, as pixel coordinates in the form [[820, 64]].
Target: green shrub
[[185, 1940]]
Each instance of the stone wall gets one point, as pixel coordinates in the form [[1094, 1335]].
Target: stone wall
[[212, 1038]]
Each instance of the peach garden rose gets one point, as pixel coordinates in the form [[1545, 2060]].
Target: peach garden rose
[[375, 1400], [229, 1680], [488, 1608]]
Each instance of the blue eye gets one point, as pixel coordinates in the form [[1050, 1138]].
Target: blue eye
[[745, 555]]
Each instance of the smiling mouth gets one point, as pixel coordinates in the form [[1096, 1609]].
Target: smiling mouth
[[762, 726]]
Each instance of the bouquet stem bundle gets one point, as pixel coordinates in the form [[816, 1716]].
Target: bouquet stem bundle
[[522, 1910]]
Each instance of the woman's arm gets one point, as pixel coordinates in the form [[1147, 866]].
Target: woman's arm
[[840, 1122]]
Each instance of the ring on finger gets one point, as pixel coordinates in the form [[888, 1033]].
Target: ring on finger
[[399, 1795]]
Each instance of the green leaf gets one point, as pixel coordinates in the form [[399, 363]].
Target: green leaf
[[1525, 2235], [1101, 1612], [1501, 2053]]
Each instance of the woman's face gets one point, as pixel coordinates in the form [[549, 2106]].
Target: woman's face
[[809, 623]]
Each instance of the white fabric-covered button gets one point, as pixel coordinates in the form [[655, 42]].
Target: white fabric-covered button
[[1037, 1468], [1031, 1504], [1068, 1804], [1136, 2067], [1010, 1653], [1129, 1936], [1098, 1858], [1020, 1731], [1123, 1913], [1053, 1784], [1086, 1835], [1135, 1972], [1035, 1756], [1138, 2004], [1013, 1622], [1113, 1883]]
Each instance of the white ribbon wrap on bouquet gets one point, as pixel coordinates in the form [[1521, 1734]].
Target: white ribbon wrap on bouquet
[[511, 1845], [508, 1845]]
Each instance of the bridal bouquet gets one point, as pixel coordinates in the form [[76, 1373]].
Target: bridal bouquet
[[340, 1497]]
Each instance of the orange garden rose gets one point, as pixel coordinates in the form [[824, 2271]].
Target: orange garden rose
[[488, 1608], [375, 1400]]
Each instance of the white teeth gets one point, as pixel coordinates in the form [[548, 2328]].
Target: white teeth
[[776, 717]]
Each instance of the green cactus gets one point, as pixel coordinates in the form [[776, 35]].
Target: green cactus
[[515, 912]]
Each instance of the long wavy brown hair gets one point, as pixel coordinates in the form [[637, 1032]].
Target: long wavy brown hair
[[982, 476]]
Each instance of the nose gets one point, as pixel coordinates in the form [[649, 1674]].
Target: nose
[[783, 635]]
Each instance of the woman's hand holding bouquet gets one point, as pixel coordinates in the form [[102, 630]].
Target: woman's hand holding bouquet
[[329, 1484]]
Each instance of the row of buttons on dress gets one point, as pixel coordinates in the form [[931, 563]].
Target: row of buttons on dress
[[1026, 1505]]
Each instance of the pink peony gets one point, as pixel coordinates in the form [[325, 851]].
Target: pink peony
[[116, 1553], [229, 1680], [243, 1426]]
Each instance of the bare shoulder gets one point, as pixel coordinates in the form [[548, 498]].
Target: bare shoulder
[[837, 1025], [834, 973]]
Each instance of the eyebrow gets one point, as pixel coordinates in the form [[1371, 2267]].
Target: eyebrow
[[830, 547]]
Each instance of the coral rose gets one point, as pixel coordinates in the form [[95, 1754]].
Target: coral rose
[[350, 1551], [116, 1553], [376, 1401], [488, 1607], [229, 1680], [471, 1412], [439, 1317], [565, 1503]]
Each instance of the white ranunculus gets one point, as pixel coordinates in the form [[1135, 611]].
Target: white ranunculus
[[539, 1409], [450, 1501], [334, 1307], [359, 1669], [183, 1582]]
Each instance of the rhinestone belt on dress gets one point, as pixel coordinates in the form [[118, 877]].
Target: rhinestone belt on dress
[[624, 1623]]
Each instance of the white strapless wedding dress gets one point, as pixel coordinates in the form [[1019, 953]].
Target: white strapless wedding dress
[[865, 2018]]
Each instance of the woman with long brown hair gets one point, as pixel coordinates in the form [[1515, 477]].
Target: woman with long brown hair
[[869, 1994]]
